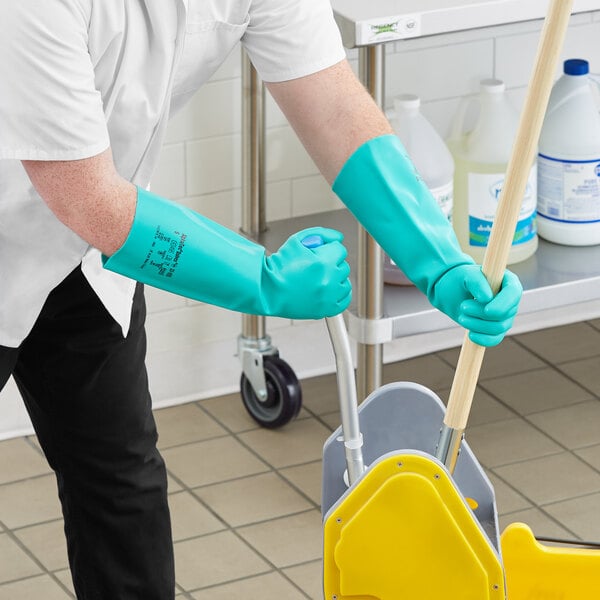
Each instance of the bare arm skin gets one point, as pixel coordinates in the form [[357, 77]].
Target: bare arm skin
[[332, 114], [88, 196], [330, 111]]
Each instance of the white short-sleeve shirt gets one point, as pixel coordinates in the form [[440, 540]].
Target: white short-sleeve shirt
[[78, 76]]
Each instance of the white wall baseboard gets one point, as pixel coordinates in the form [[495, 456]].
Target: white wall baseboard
[[213, 369]]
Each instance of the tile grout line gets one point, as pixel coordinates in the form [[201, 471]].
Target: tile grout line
[[35, 559], [533, 505], [556, 365], [276, 471], [250, 577], [25, 479], [233, 530], [552, 366], [36, 576], [226, 527], [229, 528], [273, 468], [452, 365], [586, 495], [37, 524], [532, 424], [482, 385], [564, 449]]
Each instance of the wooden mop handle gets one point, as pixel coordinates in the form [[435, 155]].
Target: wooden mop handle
[[513, 190]]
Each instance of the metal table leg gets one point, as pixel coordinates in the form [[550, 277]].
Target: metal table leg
[[370, 257], [253, 341], [269, 387]]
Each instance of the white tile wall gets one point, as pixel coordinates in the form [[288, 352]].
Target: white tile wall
[[200, 166], [440, 71]]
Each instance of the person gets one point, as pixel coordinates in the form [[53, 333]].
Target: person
[[86, 90]]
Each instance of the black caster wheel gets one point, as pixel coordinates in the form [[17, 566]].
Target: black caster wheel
[[284, 395]]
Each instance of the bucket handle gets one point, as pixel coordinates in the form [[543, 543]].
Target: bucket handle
[[352, 437], [501, 237]]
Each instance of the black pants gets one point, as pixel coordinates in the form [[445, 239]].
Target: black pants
[[86, 391]]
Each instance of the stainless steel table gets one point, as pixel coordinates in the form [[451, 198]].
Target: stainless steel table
[[557, 276]]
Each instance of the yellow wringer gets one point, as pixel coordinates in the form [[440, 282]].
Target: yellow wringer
[[406, 532]]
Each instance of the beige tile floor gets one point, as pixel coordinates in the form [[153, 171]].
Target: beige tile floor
[[245, 501]]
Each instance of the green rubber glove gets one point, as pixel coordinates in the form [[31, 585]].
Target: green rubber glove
[[380, 186], [178, 250]]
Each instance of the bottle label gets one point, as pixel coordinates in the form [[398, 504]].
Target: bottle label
[[569, 190], [484, 193], [444, 196]]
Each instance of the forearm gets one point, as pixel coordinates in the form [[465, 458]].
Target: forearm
[[166, 245], [353, 145], [89, 197], [332, 114]]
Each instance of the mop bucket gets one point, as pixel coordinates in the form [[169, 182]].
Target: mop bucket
[[406, 517], [397, 524]]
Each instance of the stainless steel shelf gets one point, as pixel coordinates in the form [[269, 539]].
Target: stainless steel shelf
[[377, 21], [555, 276], [397, 313]]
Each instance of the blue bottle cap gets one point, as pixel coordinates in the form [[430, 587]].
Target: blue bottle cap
[[576, 66]]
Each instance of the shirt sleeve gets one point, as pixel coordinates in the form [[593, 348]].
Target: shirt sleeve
[[287, 39], [50, 108]]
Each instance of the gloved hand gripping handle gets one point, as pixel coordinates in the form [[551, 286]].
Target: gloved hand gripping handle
[[176, 249], [496, 256], [353, 439]]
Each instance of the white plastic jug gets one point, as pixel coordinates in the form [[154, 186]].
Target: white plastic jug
[[569, 161], [431, 158], [481, 159]]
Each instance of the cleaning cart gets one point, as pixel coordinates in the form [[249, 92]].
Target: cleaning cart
[[398, 524], [408, 511]]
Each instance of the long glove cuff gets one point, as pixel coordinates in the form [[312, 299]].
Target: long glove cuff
[[176, 249], [381, 187]]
